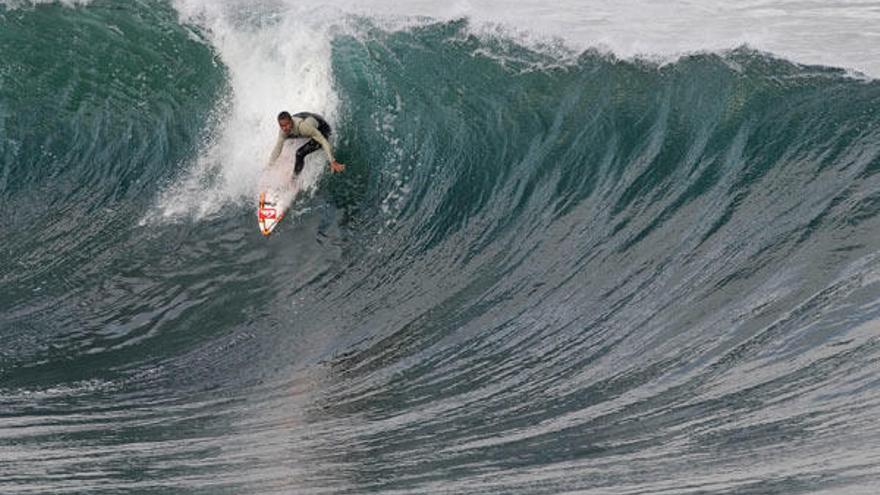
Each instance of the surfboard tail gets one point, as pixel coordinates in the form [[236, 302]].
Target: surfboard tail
[[269, 213]]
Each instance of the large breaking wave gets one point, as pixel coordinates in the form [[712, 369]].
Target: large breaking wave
[[544, 270]]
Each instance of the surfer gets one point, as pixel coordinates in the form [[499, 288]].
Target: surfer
[[305, 125]]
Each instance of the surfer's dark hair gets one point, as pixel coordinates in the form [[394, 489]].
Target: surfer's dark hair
[[284, 116]]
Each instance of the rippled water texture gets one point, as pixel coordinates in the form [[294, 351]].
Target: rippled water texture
[[550, 267]]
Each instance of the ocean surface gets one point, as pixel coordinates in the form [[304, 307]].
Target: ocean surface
[[579, 248]]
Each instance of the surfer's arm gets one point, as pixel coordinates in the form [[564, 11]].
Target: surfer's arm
[[276, 151], [308, 130]]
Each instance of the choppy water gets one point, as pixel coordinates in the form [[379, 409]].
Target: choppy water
[[550, 267]]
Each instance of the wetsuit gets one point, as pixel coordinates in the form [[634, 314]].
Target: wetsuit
[[305, 125]]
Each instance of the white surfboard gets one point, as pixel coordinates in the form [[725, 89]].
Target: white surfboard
[[268, 212], [277, 192]]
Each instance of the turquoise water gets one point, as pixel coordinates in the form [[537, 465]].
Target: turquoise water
[[545, 270]]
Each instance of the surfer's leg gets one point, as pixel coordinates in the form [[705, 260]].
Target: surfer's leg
[[301, 153]]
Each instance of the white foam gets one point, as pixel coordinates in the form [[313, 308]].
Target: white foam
[[277, 60], [843, 34], [835, 34]]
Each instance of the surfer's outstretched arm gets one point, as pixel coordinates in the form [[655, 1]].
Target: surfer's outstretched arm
[[308, 130], [276, 151]]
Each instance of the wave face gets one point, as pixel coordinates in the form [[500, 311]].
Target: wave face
[[542, 272]]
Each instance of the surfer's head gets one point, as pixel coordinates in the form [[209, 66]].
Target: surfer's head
[[285, 121]]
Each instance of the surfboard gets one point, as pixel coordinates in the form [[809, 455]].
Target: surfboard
[[277, 193], [268, 213]]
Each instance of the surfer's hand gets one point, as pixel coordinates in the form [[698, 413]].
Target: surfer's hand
[[337, 167]]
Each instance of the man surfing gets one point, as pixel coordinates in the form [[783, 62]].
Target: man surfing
[[305, 125]]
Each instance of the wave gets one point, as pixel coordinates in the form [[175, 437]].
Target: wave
[[544, 270]]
